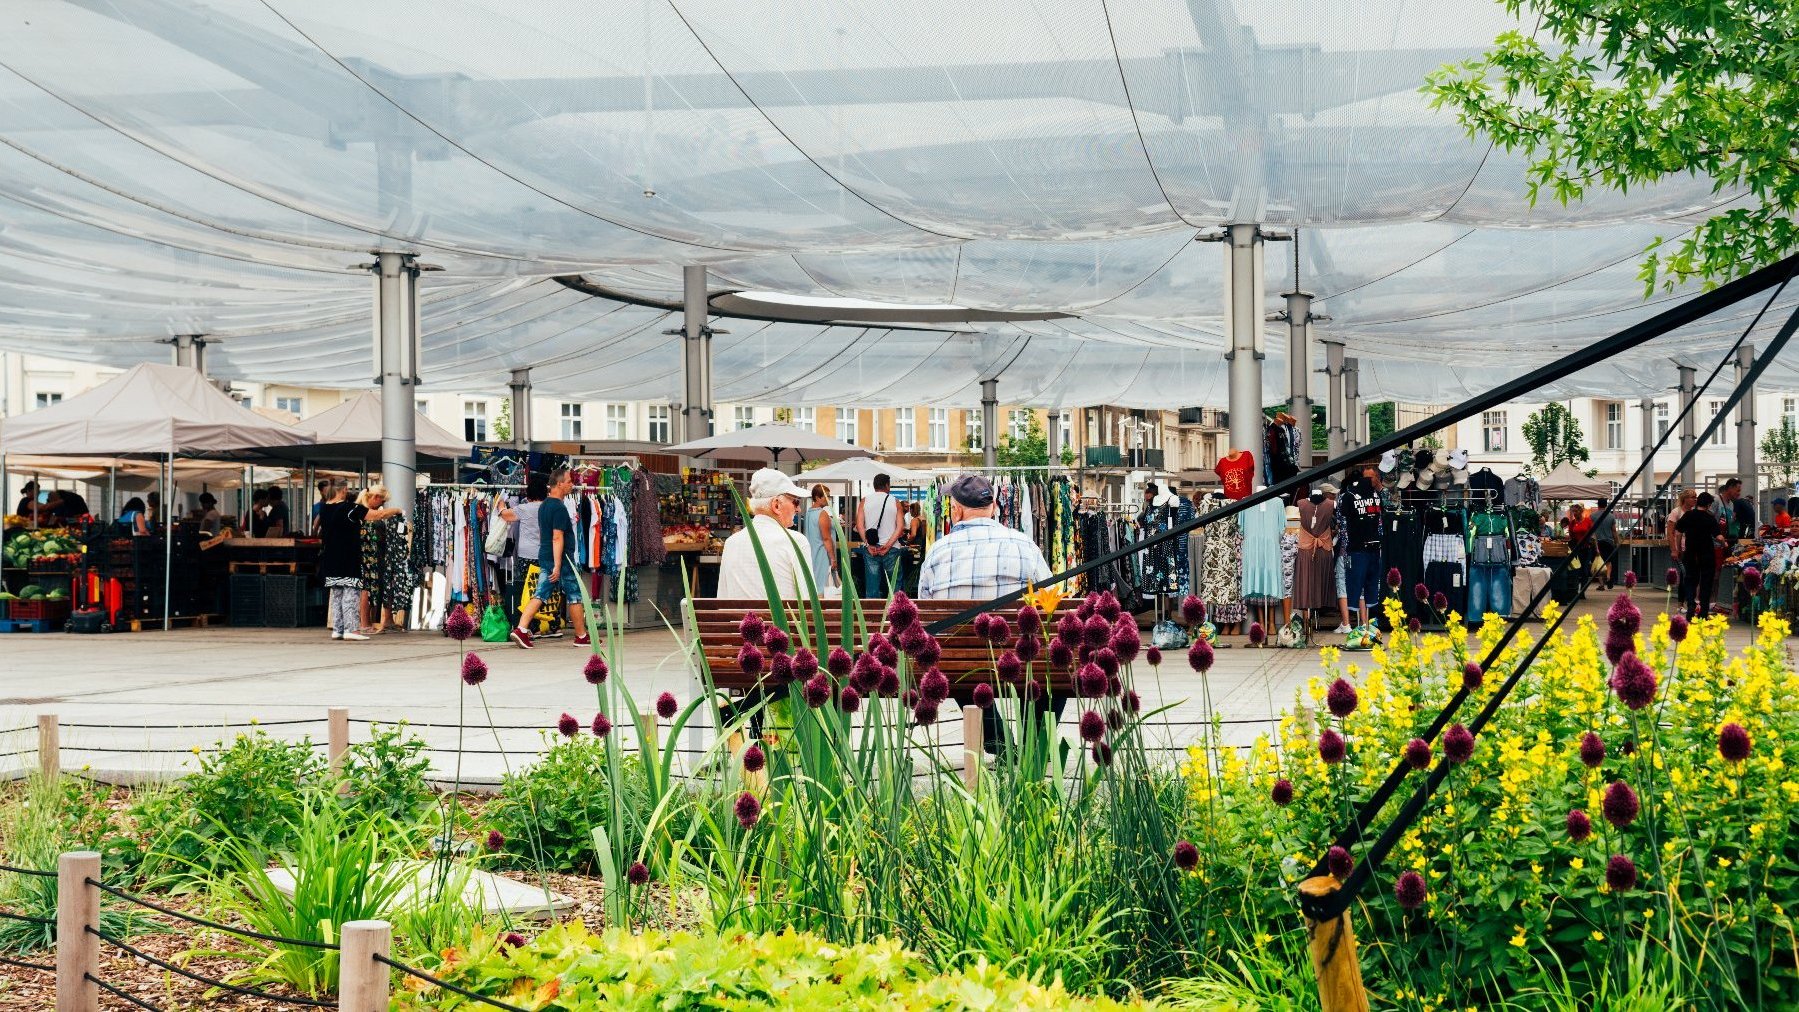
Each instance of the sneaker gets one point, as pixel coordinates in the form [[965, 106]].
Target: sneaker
[[1341, 630], [583, 640], [354, 636], [522, 638], [553, 634], [336, 635]]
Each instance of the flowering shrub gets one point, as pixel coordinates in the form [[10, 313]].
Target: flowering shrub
[[1605, 808]]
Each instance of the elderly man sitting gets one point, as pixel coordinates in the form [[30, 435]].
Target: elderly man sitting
[[774, 501], [980, 558]]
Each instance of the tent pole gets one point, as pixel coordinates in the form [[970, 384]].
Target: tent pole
[[168, 537]]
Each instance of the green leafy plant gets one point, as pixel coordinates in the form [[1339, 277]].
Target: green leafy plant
[[49, 819], [1554, 436], [252, 791], [552, 805], [386, 775], [1780, 447]]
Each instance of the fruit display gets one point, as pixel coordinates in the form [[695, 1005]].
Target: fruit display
[[33, 592], [48, 544]]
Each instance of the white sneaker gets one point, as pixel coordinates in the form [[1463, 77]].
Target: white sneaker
[[336, 635], [1342, 630], [354, 636]]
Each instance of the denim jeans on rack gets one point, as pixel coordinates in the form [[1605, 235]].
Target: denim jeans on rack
[[1489, 590]]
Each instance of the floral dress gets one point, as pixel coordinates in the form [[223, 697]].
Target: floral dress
[[1220, 586], [387, 572]]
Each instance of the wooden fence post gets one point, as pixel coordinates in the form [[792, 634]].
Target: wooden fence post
[[363, 984], [337, 741], [973, 748], [49, 746], [647, 727], [77, 951], [1333, 951]]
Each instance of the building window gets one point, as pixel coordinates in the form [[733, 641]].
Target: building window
[[1019, 423], [939, 434], [571, 421], [292, 405], [660, 420], [1661, 419], [474, 421], [1065, 422], [1613, 418], [1716, 410], [905, 429], [45, 400], [846, 424], [745, 418], [805, 419], [618, 421], [419, 406], [1492, 431], [971, 424], [1789, 411]]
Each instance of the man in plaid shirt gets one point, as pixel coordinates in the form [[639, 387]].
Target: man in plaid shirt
[[980, 558]]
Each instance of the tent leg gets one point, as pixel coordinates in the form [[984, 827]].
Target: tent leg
[[168, 538]]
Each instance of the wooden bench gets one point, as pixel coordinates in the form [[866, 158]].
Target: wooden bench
[[966, 661]]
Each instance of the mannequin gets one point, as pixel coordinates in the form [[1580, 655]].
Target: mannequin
[[1262, 528], [1220, 585], [1237, 472], [1315, 571], [1165, 568]]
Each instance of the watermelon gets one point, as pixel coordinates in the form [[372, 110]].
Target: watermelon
[[30, 592]]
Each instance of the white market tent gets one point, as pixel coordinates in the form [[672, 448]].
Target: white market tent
[[353, 429], [766, 443], [857, 469], [1566, 482], [148, 410]]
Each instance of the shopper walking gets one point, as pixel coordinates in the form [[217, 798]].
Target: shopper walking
[[1605, 538], [878, 520], [340, 562], [527, 543], [820, 527], [556, 557], [1700, 534]]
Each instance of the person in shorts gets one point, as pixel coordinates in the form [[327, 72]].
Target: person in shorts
[[556, 558]]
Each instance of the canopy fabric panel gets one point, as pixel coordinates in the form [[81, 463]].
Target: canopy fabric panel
[[1565, 482], [148, 409], [353, 429], [224, 167]]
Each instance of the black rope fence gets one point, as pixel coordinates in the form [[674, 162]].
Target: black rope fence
[[412, 971], [8, 915], [247, 992], [198, 725], [203, 922], [33, 872], [120, 994], [26, 964]]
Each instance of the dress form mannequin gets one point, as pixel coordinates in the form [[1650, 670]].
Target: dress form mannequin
[[1237, 472]]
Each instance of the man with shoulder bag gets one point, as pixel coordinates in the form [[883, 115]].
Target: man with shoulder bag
[[877, 517]]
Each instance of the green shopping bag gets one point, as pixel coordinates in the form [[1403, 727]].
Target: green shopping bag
[[494, 627]]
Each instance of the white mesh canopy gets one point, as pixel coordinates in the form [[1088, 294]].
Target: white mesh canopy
[[222, 167]]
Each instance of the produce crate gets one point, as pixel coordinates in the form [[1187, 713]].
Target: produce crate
[[246, 599], [54, 612], [283, 601]]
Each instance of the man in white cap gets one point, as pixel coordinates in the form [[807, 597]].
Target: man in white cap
[[774, 501]]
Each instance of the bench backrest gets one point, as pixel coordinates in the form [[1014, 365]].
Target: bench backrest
[[966, 657]]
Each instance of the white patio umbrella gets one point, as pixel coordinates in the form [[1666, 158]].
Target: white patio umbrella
[[766, 443], [865, 469]]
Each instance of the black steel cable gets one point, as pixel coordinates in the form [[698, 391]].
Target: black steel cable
[[203, 922], [196, 725], [1667, 321], [1330, 905], [446, 985], [115, 992], [26, 964], [247, 992], [8, 915], [27, 871]]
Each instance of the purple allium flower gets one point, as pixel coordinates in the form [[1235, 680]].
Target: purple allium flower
[[1634, 682], [912, 640], [1592, 750], [1126, 640], [512, 940], [1458, 744], [1114, 685], [1186, 855], [1624, 617], [750, 659], [1672, 576], [1009, 667], [601, 726], [1027, 647], [1033, 689], [1108, 606], [1098, 632], [983, 695], [980, 625], [1093, 726], [805, 663], [1439, 602], [1393, 578], [934, 686], [1409, 890], [1617, 644], [1341, 698], [1733, 742], [748, 810], [1472, 676], [1282, 792], [458, 624], [1677, 628], [1620, 873], [925, 714], [595, 670], [1752, 579], [1200, 656], [838, 662], [753, 628], [998, 629], [1107, 661], [931, 654], [496, 840], [889, 683], [780, 669], [1090, 681], [1417, 753], [754, 759], [909, 699], [1629, 747], [1339, 863], [1061, 654], [848, 699], [1257, 634], [1070, 629], [1193, 610], [1114, 720], [1413, 626], [1102, 754], [1154, 656], [1331, 746], [817, 691], [568, 725], [902, 614], [1420, 593], [638, 873], [776, 641], [1630, 579], [1579, 826], [1030, 621], [1620, 804], [474, 669], [666, 707], [1132, 703], [1084, 610]]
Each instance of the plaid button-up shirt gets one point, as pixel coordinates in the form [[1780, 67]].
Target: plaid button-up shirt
[[978, 560]]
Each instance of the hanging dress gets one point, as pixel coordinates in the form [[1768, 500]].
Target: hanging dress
[[1220, 586], [1315, 577], [1262, 529]]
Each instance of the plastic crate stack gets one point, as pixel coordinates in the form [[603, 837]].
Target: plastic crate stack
[[138, 563]]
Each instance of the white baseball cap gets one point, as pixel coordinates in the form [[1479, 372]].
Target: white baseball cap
[[767, 483]]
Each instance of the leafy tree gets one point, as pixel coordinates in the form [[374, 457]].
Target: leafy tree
[[1553, 435], [502, 423], [1780, 447], [1032, 450], [1382, 419], [1623, 93]]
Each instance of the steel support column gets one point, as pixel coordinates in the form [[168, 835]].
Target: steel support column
[[190, 352], [1243, 334], [1689, 475], [1355, 422], [990, 422], [1336, 433], [1746, 426], [519, 389], [1053, 437], [1647, 405], [1299, 369], [396, 364], [696, 356]]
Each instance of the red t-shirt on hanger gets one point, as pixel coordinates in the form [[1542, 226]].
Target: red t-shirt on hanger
[[1237, 471]]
